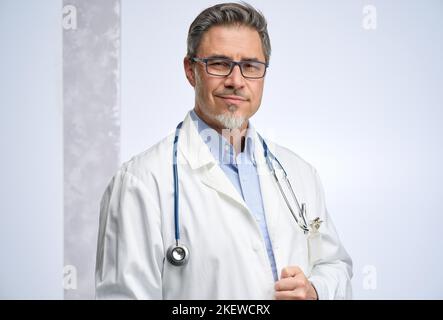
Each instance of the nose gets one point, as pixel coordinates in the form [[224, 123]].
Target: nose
[[235, 79]]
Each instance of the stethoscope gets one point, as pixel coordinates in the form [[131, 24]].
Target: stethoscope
[[178, 254]]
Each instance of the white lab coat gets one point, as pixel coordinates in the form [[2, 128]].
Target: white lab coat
[[228, 257]]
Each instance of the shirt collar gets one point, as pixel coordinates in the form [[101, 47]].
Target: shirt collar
[[220, 148]]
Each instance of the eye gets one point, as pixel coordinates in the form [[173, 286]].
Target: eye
[[219, 63], [251, 66]]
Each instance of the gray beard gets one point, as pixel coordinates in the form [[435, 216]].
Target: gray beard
[[229, 121]]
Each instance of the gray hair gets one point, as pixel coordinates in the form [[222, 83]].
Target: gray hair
[[228, 14]]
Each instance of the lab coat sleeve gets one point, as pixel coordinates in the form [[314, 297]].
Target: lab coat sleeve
[[332, 266], [130, 249]]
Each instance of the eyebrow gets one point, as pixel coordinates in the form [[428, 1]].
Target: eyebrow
[[220, 56]]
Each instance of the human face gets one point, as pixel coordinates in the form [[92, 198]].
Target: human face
[[223, 102]]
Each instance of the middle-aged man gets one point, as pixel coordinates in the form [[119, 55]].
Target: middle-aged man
[[201, 215]]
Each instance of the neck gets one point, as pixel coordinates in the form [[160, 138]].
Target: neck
[[236, 138]]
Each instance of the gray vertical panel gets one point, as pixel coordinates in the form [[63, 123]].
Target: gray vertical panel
[[91, 74]]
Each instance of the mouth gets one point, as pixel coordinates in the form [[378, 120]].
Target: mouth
[[231, 99]]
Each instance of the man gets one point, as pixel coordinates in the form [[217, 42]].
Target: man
[[216, 224]]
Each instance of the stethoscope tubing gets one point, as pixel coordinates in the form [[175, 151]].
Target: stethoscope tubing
[[269, 156]]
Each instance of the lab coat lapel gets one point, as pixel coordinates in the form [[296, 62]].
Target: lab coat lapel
[[198, 155], [272, 199], [216, 179]]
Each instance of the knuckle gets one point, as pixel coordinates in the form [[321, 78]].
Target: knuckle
[[303, 295], [299, 283]]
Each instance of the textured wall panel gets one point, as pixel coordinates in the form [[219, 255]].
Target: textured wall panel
[[91, 75]]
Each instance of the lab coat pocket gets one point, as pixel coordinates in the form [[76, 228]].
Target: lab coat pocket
[[314, 241]]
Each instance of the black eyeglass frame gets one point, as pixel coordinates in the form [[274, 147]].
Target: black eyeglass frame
[[232, 64]]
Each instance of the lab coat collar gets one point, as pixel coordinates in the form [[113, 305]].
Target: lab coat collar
[[198, 156], [192, 147], [197, 153], [272, 199]]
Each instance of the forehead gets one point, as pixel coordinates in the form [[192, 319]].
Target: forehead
[[235, 41]]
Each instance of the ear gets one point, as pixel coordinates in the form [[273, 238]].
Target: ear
[[189, 70]]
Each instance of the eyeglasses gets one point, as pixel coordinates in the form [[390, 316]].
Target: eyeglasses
[[223, 67]]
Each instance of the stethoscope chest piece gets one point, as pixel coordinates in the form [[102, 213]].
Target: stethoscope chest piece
[[177, 255]]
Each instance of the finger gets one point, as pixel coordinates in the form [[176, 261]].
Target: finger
[[290, 283], [297, 294], [290, 271]]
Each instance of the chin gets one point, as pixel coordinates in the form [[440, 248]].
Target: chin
[[228, 120]]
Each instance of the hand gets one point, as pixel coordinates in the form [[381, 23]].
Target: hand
[[294, 285]]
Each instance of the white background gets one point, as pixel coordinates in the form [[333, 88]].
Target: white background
[[31, 184], [363, 106]]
